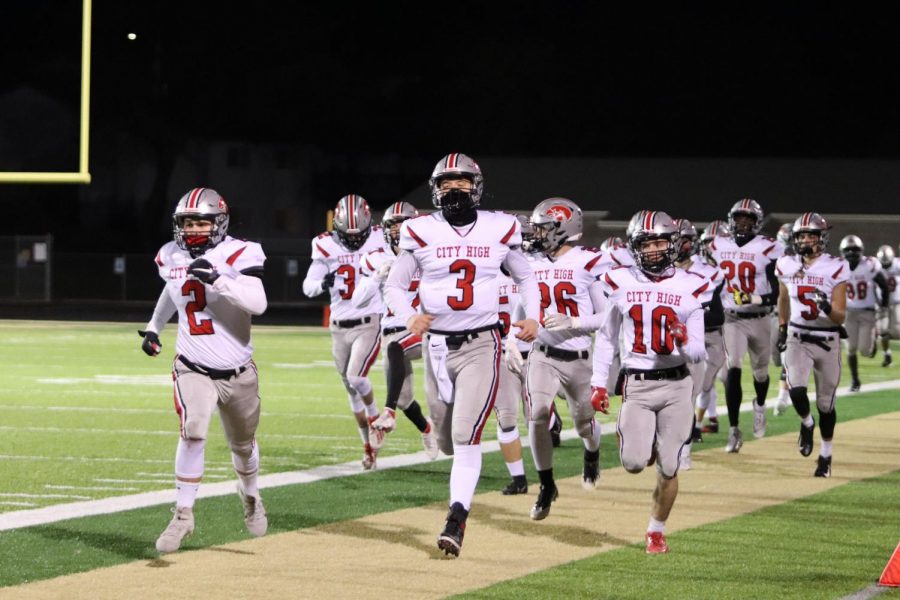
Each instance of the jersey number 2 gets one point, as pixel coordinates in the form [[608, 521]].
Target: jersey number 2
[[195, 290]]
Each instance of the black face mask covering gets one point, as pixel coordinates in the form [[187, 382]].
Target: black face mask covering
[[457, 208]]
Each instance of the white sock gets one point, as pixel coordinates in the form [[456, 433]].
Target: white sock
[[247, 470], [656, 526], [464, 473], [784, 395], [826, 449], [808, 421], [711, 411], [371, 410], [591, 444], [759, 408], [189, 458], [364, 434], [888, 351], [516, 468], [185, 493]]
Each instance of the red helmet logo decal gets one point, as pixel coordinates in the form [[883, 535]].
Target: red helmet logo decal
[[559, 212], [222, 205]]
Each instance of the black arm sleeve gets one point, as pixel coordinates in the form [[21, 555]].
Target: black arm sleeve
[[881, 282], [713, 312], [253, 272], [771, 299]]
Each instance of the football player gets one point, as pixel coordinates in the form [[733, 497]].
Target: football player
[[401, 346], [865, 274], [658, 307], [459, 250], [747, 261], [811, 309], [567, 278], [784, 398], [355, 332], [889, 323], [713, 317], [214, 282]]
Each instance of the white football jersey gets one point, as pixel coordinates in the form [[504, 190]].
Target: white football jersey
[[861, 283], [370, 264], [892, 274], [744, 268], [564, 285], [460, 268], [212, 332], [327, 250], [643, 308], [708, 272], [803, 281]]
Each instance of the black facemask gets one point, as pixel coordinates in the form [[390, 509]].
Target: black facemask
[[853, 258], [458, 208]]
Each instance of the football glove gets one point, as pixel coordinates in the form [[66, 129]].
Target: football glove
[[151, 344], [781, 344], [822, 302], [203, 270], [560, 322], [742, 298], [328, 281], [678, 331], [600, 400], [514, 359]]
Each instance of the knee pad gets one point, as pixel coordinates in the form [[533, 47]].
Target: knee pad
[[634, 466], [362, 385], [196, 427], [189, 458], [540, 415], [507, 436], [356, 403], [242, 449], [761, 374]]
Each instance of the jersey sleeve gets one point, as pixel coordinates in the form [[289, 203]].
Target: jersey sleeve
[[512, 235], [320, 250], [247, 256], [411, 232], [162, 261]]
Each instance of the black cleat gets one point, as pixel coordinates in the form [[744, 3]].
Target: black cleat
[[712, 426], [518, 485], [887, 360], [556, 430], [823, 468], [590, 474], [451, 538], [545, 498], [854, 387], [806, 439], [697, 436]]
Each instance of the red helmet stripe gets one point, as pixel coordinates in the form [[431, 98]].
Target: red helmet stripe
[[398, 208], [806, 218], [451, 160], [351, 213], [745, 203], [194, 197], [648, 220]]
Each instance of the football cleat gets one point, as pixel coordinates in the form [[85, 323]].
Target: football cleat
[[518, 485], [823, 467], [429, 441], [590, 474], [735, 441], [712, 426], [451, 538], [385, 421], [545, 498], [887, 360], [855, 385], [370, 455], [656, 542], [784, 401], [254, 513], [180, 527], [376, 436], [806, 439], [759, 421]]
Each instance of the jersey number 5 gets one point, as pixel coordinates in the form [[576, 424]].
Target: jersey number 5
[[195, 290], [466, 269], [803, 293], [660, 340]]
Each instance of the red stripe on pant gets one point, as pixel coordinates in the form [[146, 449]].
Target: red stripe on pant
[[492, 396], [180, 408], [370, 360]]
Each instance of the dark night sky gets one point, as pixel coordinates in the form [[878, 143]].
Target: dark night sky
[[543, 78], [417, 79]]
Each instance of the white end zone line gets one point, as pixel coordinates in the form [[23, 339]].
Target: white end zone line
[[74, 510]]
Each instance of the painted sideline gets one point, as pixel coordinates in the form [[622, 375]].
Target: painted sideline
[[74, 510]]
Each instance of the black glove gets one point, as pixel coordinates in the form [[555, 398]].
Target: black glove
[[781, 344], [151, 345], [203, 270], [328, 280], [823, 303]]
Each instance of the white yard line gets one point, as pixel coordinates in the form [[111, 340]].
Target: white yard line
[[867, 593], [74, 510]]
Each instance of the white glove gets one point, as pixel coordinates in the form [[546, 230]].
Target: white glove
[[514, 360], [383, 270], [558, 322]]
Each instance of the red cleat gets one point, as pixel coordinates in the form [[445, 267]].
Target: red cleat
[[656, 543]]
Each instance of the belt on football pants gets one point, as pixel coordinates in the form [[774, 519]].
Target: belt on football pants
[[392, 330], [455, 339], [748, 315], [347, 324], [566, 355], [679, 372], [210, 372], [818, 340]]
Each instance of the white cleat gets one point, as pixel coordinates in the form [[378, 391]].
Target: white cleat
[[759, 422], [429, 440], [735, 441], [180, 527], [254, 513]]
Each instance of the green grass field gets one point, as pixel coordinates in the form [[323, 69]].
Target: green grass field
[[86, 415]]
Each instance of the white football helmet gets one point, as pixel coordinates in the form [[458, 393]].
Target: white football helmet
[[527, 233], [556, 221], [851, 248], [200, 203], [396, 213], [810, 223], [687, 244], [613, 242], [713, 230], [654, 226], [743, 233], [352, 221], [886, 256], [456, 166]]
